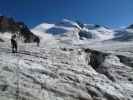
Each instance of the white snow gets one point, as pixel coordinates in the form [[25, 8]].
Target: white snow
[[43, 27], [71, 34], [6, 36]]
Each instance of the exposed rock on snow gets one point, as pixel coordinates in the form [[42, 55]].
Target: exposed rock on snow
[[10, 26]]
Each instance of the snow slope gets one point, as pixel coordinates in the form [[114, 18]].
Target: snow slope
[[66, 73], [100, 33], [124, 35], [6, 36]]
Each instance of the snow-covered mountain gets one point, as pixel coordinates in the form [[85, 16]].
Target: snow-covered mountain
[[124, 35], [76, 32], [64, 31], [73, 31], [97, 32]]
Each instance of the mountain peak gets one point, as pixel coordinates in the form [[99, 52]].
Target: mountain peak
[[71, 30], [130, 26], [8, 24]]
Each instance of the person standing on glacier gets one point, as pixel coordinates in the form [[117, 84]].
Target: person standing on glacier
[[14, 43], [37, 40]]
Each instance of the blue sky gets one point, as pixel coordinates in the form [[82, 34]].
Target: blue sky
[[113, 13]]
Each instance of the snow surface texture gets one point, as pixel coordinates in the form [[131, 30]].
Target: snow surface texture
[[65, 73], [68, 65]]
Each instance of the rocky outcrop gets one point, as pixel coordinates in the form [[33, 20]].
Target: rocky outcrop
[[64, 74], [1, 40], [8, 24], [117, 68], [130, 26]]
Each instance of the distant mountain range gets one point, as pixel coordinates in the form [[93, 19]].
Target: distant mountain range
[[78, 31], [74, 31], [65, 30]]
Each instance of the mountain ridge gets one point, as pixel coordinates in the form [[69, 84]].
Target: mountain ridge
[[74, 29], [9, 25], [84, 32]]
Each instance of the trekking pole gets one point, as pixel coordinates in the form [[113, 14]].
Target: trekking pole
[[18, 78], [18, 88]]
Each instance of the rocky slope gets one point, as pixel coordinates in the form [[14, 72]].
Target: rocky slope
[[64, 73], [9, 25]]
